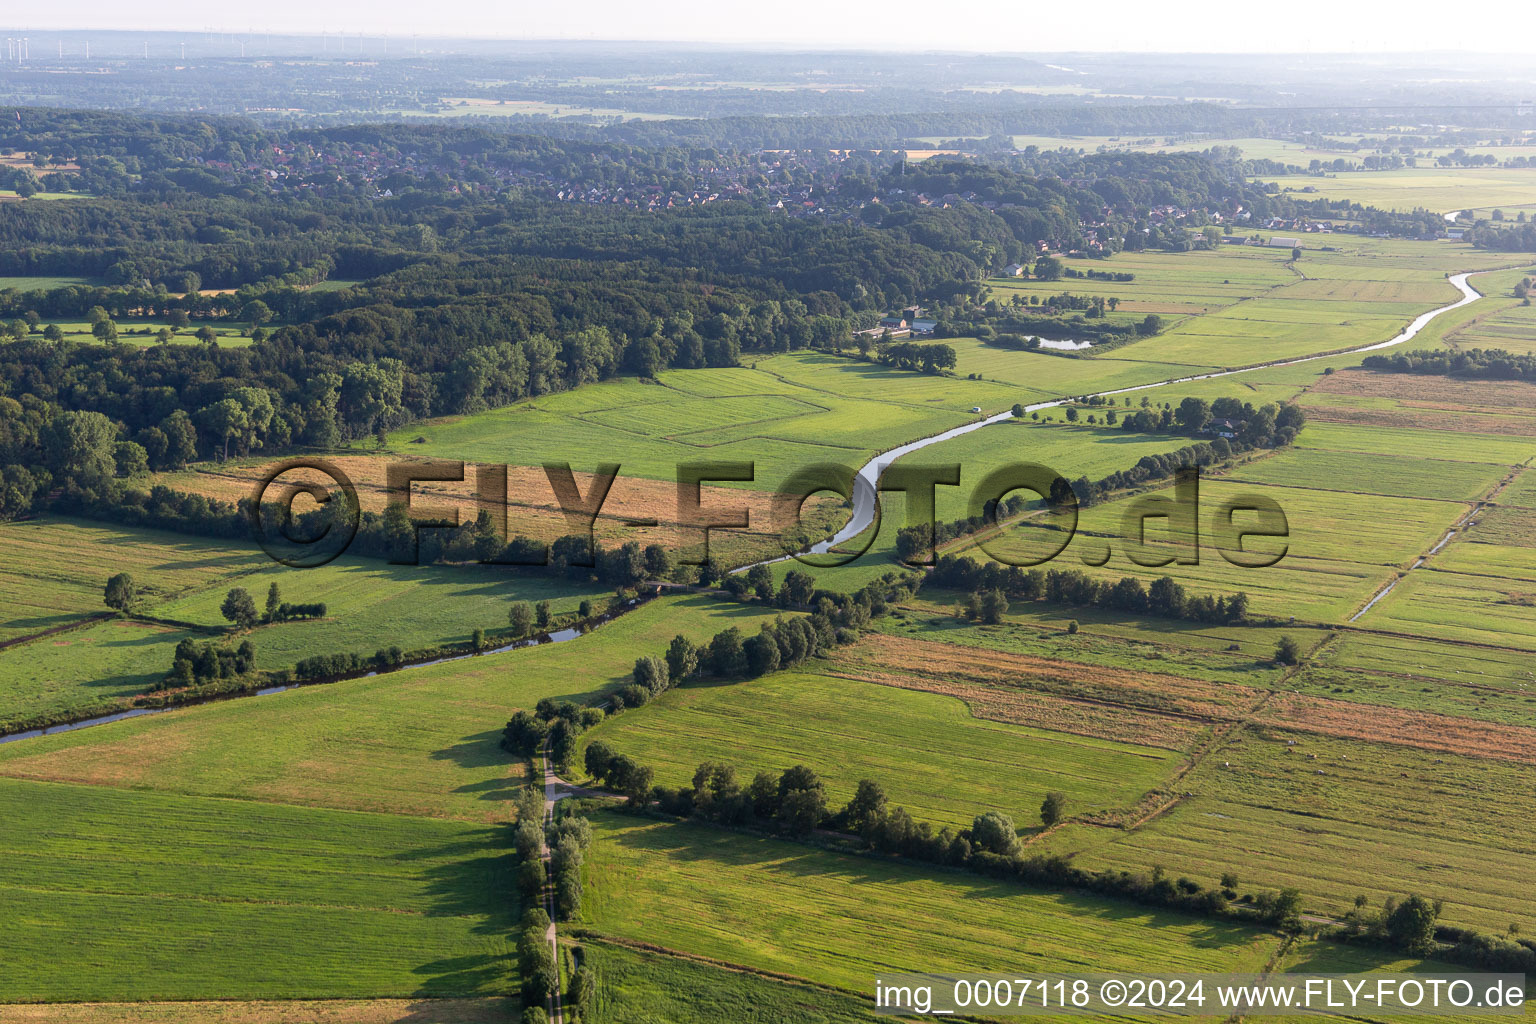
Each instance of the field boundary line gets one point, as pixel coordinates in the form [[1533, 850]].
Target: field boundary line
[[89, 620]]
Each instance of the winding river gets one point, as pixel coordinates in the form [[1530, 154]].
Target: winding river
[[865, 484], [865, 495]]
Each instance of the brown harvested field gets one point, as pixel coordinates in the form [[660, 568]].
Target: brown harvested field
[[307, 1011], [1045, 711], [1425, 417], [532, 508], [1160, 710], [1379, 724], [1432, 392], [930, 663]]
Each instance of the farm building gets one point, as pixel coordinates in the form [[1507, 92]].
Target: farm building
[[1284, 243], [924, 326], [1014, 270], [1222, 428]]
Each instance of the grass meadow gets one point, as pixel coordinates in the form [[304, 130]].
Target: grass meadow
[[1338, 818], [929, 751], [421, 741], [169, 898], [842, 920], [635, 987], [56, 569]]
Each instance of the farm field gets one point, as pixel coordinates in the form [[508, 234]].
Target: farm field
[[751, 415], [421, 741], [171, 898], [372, 604], [1039, 376], [1393, 475], [840, 920], [1460, 606], [39, 282], [636, 987], [532, 508], [1439, 189], [1341, 547], [1070, 449], [94, 669], [1424, 402], [57, 569], [934, 757], [1512, 328], [1361, 818], [481, 1010], [1420, 442], [1439, 677]]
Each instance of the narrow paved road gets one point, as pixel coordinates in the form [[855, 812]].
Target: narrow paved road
[[555, 790]]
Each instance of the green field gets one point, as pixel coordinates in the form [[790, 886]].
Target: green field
[[841, 920], [1341, 547], [419, 741], [757, 415], [1362, 818], [931, 754], [1441, 189], [1393, 475], [637, 987], [188, 898], [39, 283], [56, 569], [1225, 654], [139, 331], [370, 605], [1443, 677]]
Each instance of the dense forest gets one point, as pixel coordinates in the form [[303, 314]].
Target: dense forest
[[466, 268]]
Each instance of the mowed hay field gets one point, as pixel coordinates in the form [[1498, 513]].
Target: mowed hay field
[[641, 986], [423, 741], [1502, 408], [1441, 189], [759, 415], [1358, 818], [184, 580], [1491, 684], [1341, 546], [56, 569], [530, 505], [843, 920], [934, 757], [436, 1010], [184, 898], [372, 604]]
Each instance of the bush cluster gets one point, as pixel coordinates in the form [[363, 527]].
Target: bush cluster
[[197, 664], [992, 586]]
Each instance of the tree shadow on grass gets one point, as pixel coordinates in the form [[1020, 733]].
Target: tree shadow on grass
[[467, 975], [684, 841], [477, 1011], [483, 750]]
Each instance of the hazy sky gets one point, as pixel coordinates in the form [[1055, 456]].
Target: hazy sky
[[1226, 26]]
